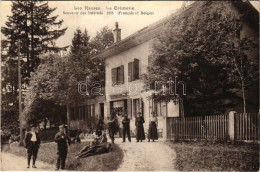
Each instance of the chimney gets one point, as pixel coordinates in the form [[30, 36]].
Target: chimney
[[117, 33]]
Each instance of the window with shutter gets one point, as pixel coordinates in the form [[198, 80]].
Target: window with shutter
[[130, 71], [136, 69], [114, 75], [121, 74]]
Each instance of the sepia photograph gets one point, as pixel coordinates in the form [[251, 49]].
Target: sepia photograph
[[130, 85]]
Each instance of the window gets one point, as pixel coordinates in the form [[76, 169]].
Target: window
[[133, 70], [160, 108], [118, 75], [81, 112], [137, 107], [89, 111]]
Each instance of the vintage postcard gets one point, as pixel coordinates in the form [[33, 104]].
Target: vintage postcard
[[130, 85]]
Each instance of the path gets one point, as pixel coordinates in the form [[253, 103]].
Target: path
[[146, 156], [10, 162]]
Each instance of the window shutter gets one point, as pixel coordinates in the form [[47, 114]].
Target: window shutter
[[136, 69], [130, 71], [113, 74], [121, 74]]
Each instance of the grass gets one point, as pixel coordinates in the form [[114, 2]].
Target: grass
[[48, 153], [215, 157]]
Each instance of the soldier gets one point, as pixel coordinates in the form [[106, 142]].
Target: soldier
[[62, 141], [126, 128], [32, 143]]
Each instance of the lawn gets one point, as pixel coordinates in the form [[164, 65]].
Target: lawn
[[215, 157], [48, 153]]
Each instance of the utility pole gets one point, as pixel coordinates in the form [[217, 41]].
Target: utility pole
[[20, 95]]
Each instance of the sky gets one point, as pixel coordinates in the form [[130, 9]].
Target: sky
[[93, 23]]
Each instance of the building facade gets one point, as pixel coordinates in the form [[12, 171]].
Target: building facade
[[125, 62]]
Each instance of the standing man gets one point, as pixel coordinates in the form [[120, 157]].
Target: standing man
[[112, 128], [62, 141], [32, 143], [126, 128]]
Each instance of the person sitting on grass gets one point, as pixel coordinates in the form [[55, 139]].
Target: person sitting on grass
[[98, 146]]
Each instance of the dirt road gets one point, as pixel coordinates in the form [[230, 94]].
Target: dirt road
[[146, 156], [10, 162]]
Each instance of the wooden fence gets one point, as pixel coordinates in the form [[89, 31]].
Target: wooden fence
[[214, 127], [247, 126]]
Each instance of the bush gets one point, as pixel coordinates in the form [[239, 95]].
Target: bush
[[48, 134]]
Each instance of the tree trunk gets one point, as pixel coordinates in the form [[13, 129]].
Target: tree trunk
[[243, 94], [27, 43], [32, 37]]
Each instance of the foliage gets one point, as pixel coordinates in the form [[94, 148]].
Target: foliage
[[195, 48], [57, 78], [80, 42], [103, 39], [215, 157], [33, 24]]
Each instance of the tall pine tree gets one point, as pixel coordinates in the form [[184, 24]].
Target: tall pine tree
[[33, 24]]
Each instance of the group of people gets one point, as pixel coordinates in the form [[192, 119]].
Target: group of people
[[99, 145], [32, 143], [140, 134]]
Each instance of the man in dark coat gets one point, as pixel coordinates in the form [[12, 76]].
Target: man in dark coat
[[126, 128], [139, 127], [62, 141], [112, 128], [32, 143]]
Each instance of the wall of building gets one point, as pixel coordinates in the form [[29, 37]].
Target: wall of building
[[134, 89]]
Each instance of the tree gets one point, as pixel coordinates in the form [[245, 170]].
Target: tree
[[199, 49], [33, 23], [103, 39], [56, 79]]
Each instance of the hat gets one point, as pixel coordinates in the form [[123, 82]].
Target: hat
[[61, 126]]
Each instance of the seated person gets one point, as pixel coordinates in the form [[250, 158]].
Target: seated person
[[96, 150], [99, 145]]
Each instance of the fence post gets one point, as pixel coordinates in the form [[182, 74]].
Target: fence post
[[231, 125], [165, 129]]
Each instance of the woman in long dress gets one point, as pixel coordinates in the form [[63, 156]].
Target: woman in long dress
[[152, 132], [139, 127]]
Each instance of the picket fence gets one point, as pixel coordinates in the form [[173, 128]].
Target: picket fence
[[247, 126], [215, 127]]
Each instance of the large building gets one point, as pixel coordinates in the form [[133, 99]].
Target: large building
[[127, 59]]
